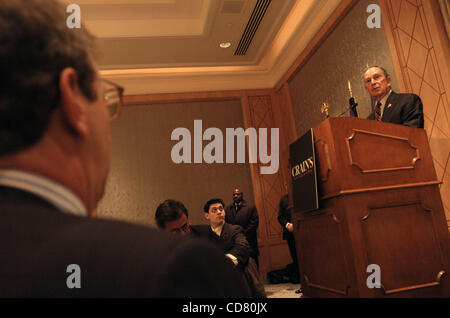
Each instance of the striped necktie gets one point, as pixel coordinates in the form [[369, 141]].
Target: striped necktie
[[378, 111]]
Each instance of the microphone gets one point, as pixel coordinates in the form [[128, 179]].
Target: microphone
[[352, 108], [352, 102]]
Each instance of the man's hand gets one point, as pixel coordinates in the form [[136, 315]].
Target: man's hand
[[290, 227]]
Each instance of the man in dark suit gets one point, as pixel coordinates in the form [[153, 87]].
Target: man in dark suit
[[233, 243], [239, 213], [55, 114], [229, 237], [403, 109], [284, 218]]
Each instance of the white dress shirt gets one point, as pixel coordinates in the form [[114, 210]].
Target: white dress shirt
[[56, 194], [383, 102]]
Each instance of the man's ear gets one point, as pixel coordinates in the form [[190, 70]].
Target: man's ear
[[388, 80], [206, 215], [71, 101]]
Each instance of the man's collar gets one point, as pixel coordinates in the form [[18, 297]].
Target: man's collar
[[384, 99], [218, 229], [56, 194], [240, 203]]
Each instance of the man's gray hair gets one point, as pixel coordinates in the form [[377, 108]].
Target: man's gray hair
[[386, 74], [36, 45]]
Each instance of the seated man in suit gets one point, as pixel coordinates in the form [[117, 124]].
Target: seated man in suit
[[232, 241], [172, 216], [55, 114], [230, 237], [403, 109]]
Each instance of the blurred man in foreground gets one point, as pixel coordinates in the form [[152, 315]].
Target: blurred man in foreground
[[55, 114]]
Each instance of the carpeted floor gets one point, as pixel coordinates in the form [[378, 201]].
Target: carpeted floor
[[282, 290]]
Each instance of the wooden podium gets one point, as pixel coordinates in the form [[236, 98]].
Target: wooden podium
[[379, 204]]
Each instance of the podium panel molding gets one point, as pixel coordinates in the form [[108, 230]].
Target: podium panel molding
[[322, 253], [382, 188], [387, 231], [397, 150]]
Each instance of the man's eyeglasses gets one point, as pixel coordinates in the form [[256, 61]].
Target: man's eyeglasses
[[183, 229], [113, 96]]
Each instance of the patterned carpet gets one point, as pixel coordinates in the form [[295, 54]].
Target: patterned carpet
[[282, 290]]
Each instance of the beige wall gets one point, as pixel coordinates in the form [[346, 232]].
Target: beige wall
[[341, 57], [143, 174]]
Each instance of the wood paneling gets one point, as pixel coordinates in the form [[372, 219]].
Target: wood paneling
[[402, 155], [399, 259], [324, 266], [419, 47], [267, 188]]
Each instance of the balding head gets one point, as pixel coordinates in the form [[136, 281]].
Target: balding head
[[377, 82]]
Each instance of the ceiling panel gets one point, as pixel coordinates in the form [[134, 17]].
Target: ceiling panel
[[145, 40]]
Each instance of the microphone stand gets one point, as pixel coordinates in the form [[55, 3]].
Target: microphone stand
[[352, 102], [352, 107]]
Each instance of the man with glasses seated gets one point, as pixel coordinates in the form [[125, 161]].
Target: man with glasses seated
[[55, 115], [172, 216]]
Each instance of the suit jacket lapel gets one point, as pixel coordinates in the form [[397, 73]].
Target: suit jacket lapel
[[224, 234], [388, 107]]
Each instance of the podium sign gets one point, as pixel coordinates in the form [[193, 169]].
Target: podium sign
[[304, 173]]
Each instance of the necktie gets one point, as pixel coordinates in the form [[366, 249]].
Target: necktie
[[378, 111]]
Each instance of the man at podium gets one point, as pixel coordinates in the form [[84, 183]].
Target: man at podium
[[392, 107]]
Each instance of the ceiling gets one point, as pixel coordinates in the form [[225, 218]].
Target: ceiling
[[170, 46]]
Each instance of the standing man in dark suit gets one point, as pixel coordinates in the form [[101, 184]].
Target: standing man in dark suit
[[285, 218], [403, 109], [55, 114], [246, 216]]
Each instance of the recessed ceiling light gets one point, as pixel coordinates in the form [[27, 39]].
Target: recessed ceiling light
[[225, 45]]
